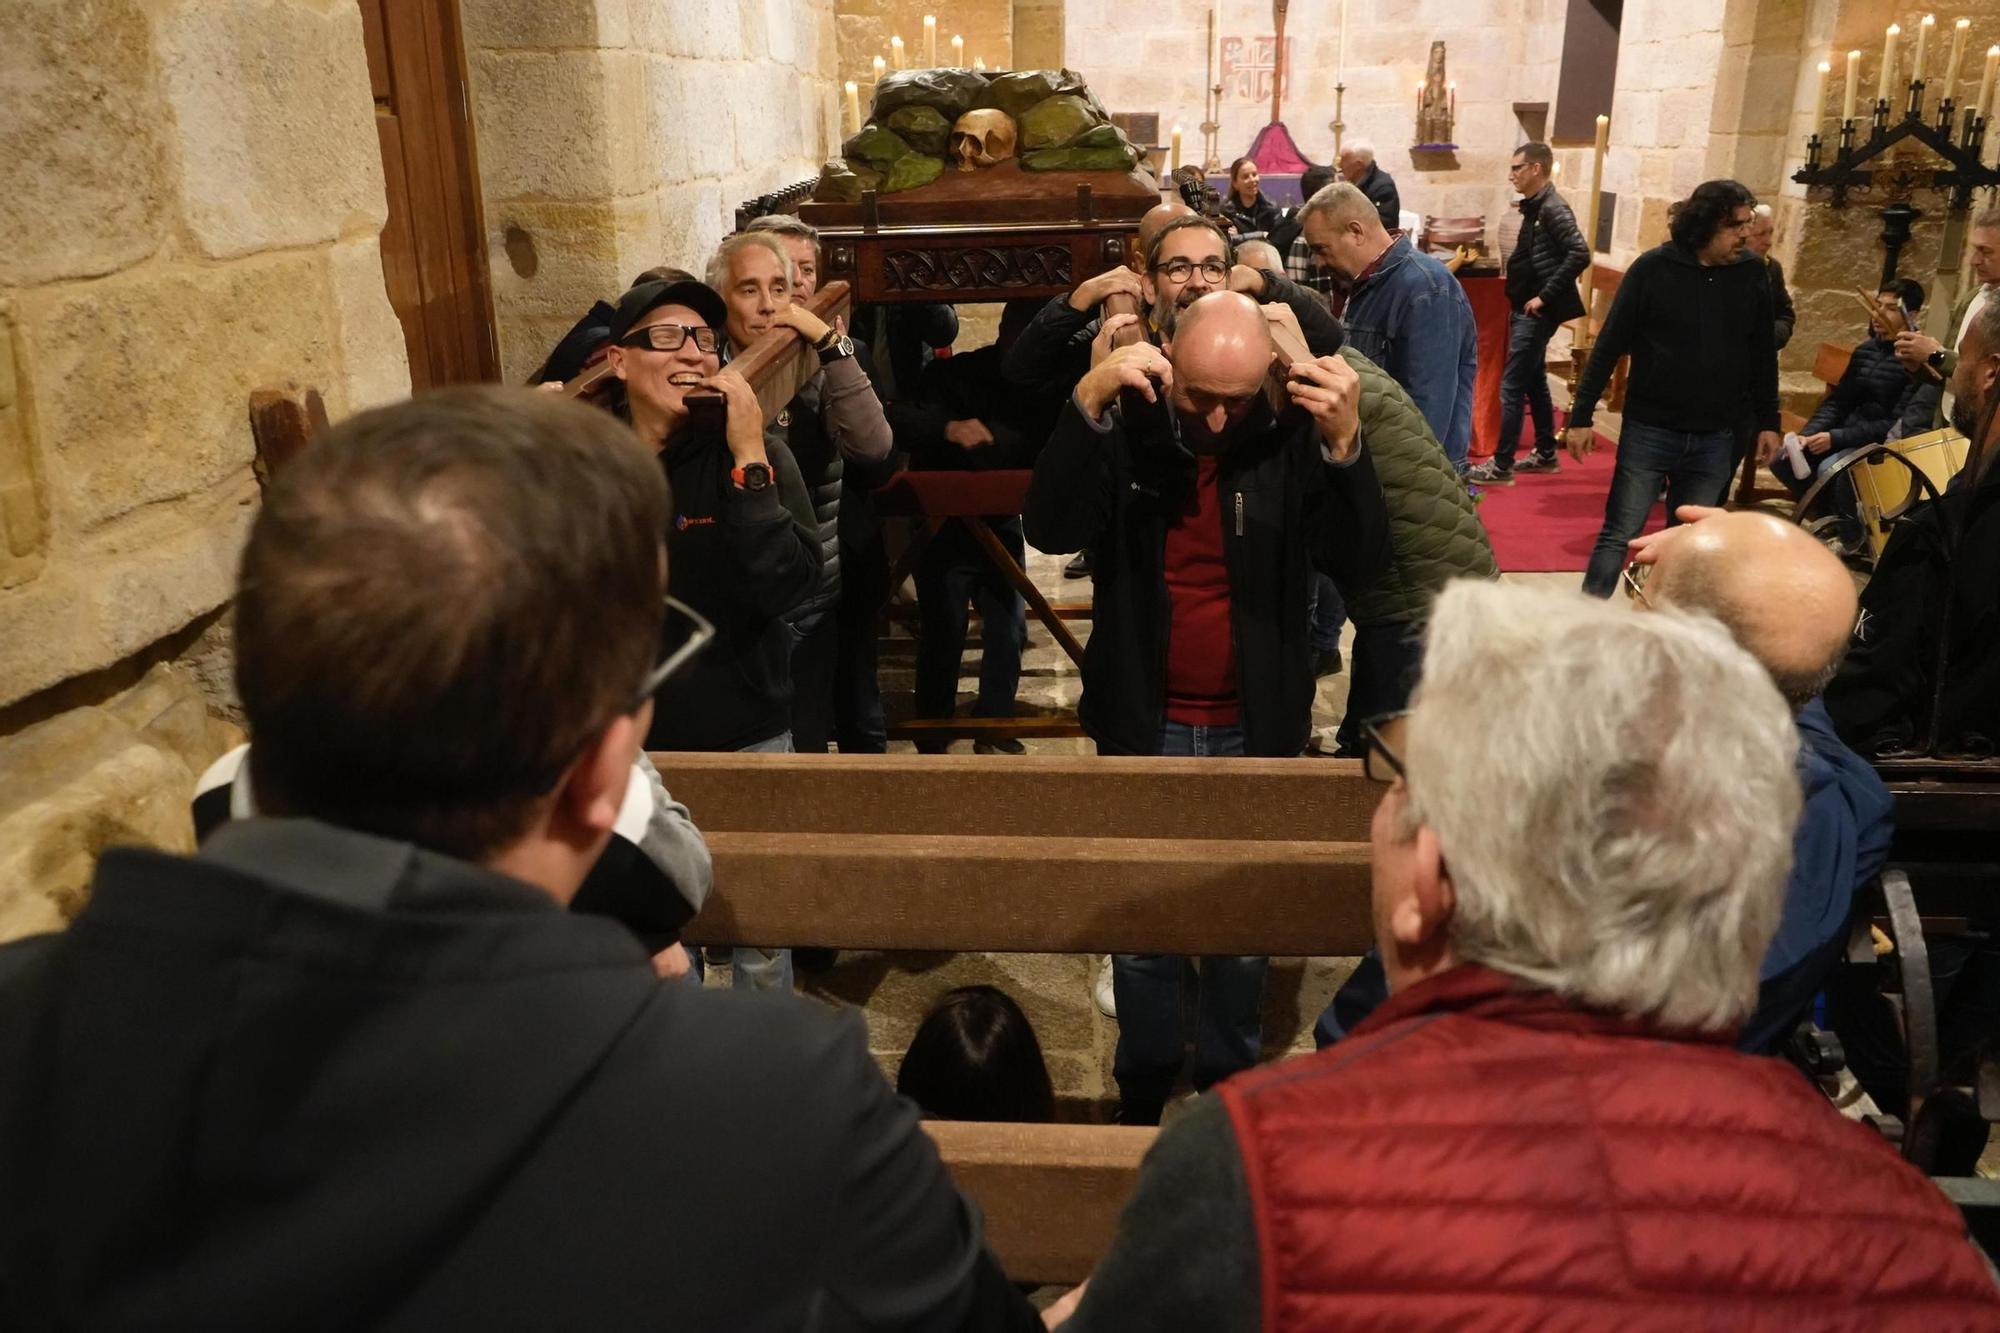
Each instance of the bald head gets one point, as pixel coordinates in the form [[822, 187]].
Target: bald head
[[1158, 216], [1221, 353], [1786, 598]]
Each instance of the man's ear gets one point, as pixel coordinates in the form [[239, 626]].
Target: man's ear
[[588, 804], [1421, 917]]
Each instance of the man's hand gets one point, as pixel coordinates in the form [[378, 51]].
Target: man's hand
[[1136, 367], [1100, 346], [1090, 293], [671, 963], [1914, 351], [1646, 550], [810, 326], [1581, 441], [1767, 446], [1534, 306], [1065, 1305], [1817, 443], [745, 433], [1329, 389], [1249, 281], [970, 433]]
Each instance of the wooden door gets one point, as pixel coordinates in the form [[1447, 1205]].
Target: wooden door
[[434, 246]]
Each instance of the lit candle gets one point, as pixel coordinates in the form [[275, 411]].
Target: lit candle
[[1923, 47], [1888, 77], [881, 68], [979, 62], [1451, 92], [1340, 61], [1984, 104], [1957, 56], [1420, 97], [1177, 148], [930, 41], [1853, 85], [1819, 93], [896, 52], [853, 108], [957, 52]]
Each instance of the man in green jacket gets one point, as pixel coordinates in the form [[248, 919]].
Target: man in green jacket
[[1925, 357]]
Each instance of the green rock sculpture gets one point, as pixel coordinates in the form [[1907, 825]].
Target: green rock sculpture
[[949, 92], [842, 182], [1082, 159], [1055, 121], [1015, 93], [910, 171], [878, 147], [923, 128]]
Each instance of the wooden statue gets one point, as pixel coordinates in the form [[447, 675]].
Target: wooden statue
[[1434, 104]]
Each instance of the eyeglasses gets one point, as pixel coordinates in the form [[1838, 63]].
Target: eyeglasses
[[1180, 270], [699, 631], [1518, 166], [670, 337], [1634, 581], [1381, 739]]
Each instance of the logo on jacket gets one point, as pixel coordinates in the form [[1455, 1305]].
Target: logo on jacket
[[683, 523]]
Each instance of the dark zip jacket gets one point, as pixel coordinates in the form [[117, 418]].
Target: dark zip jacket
[[743, 560], [1114, 486], [315, 1080], [1702, 342]]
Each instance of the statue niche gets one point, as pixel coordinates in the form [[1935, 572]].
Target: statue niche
[[1435, 111]]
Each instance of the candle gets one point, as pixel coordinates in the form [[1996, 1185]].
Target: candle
[[896, 52], [1177, 148], [957, 51], [1983, 105], [1420, 97], [1888, 76], [1340, 62], [930, 41], [1818, 103], [853, 108], [1451, 92], [1956, 57], [1853, 85], [1923, 47], [979, 62], [881, 68]]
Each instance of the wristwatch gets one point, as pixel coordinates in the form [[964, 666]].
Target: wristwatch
[[1935, 360], [752, 477], [839, 349]]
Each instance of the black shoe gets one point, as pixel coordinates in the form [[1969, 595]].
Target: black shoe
[[1000, 745], [1078, 567], [1538, 462], [1326, 664]]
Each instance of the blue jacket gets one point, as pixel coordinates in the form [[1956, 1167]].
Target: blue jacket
[[1840, 844], [1409, 316]]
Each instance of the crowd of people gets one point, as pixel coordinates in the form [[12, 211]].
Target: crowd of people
[[412, 1040]]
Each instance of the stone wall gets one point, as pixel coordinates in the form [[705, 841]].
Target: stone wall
[[615, 135], [987, 26], [194, 195], [1499, 52]]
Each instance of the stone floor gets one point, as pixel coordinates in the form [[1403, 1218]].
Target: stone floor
[[895, 991]]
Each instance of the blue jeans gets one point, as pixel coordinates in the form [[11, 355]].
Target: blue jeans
[[1693, 464], [763, 969], [1525, 379], [1380, 677], [953, 569], [1326, 613], [1359, 996], [1229, 1026]]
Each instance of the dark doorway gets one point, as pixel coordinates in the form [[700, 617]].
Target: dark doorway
[[434, 246]]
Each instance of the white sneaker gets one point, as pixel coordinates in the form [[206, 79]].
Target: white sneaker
[[1103, 993]]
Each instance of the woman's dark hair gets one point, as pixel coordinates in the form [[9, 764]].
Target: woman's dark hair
[[975, 1057], [1693, 222], [1235, 167]]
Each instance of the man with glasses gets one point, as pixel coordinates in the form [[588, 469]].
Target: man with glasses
[[1697, 323], [1546, 1126], [1551, 253], [1208, 512], [361, 1027]]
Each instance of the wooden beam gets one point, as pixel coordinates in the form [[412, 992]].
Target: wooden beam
[[1051, 1194], [985, 728], [1074, 796], [1029, 894]]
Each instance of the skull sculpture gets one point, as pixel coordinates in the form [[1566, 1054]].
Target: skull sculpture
[[982, 139]]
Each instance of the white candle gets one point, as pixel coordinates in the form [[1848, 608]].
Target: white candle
[[1340, 62], [957, 52], [1888, 78], [1957, 57], [1853, 85], [930, 41], [979, 62], [896, 52], [1984, 104], [1177, 148], [881, 68], [1923, 47], [1818, 103], [853, 108]]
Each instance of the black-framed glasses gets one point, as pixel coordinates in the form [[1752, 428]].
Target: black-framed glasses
[[1381, 747], [1180, 270], [699, 631], [670, 338], [1634, 581]]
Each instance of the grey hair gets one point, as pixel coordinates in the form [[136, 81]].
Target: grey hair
[[1986, 219], [1361, 148], [784, 224], [717, 274], [1762, 212], [1638, 860], [1249, 252], [1339, 203]]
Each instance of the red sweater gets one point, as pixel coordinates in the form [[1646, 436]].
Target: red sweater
[[1480, 1154], [1201, 651]]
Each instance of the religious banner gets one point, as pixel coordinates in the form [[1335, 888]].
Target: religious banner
[[1248, 65]]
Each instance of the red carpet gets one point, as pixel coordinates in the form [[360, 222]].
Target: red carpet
[[1547, 523]]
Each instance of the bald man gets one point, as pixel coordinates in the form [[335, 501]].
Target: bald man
[[1791, 604], [1207, 516]]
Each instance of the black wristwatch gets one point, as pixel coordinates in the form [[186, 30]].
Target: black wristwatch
[[839, 349], [1935, 360], [752, 477]]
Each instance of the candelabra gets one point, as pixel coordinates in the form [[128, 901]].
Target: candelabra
[[1212, 126]]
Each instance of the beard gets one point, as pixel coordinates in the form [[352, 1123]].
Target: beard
[[1166, 314], [1965, 410]]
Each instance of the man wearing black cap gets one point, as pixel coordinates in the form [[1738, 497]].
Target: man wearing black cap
[[741, 547]]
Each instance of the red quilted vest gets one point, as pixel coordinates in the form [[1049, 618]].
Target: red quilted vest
[[1479, 1155]]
